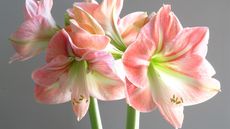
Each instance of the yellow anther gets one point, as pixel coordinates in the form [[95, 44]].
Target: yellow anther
[[75, 102], [176, 100]]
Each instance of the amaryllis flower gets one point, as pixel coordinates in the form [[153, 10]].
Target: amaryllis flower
[[166, 67], [75, 70], [35, 32], [88, 32], [107, 14]]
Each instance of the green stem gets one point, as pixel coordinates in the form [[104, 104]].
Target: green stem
[[94, 114], [133, 116]]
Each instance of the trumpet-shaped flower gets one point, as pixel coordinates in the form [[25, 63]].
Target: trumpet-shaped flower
[[76, 69], [107, 14], [166, 67], [35, 32]]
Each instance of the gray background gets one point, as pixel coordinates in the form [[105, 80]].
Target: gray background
[[18, 109]]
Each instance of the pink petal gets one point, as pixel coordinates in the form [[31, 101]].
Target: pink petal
[[192, 40], [83, 39], [29, 40], [139, 98], [108, 13], [86, 21], [163, 27], [163, 95], [192, 65], [191, 90], [103, 81], [78, 83], [88, 7], [51, 72], [47, 5], [108, 5], [72, 48], [58, 46], [172, 90], [54, 94], [80, 102], [31, 8], [173, 114], [136, 60], [34, 8], [130, 26]]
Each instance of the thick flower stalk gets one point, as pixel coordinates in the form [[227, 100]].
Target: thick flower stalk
[[77, 67], [166, 67], [35, 32]]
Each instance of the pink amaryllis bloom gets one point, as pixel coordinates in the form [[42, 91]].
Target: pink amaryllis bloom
[[75, 70], [35, 32], [107, 14], [166, 67]]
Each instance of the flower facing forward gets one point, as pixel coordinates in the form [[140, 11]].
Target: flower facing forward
[[166, 67], [77, 69], [35, 32]]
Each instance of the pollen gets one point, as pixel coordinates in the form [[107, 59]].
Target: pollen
[[176, 100], [75, 102], [79, 100]]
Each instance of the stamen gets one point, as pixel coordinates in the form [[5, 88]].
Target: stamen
[[75, 102], [176, 100]]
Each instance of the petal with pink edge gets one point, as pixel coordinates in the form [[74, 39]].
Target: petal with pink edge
[[172, 90], [163, 27], [103, 81], [86, 21], [165, 99], [190, 40], [130, 26], [107, 14], [192, 65], [56, 93], [31, 8], [58, 46], [136, 60], [78, 84], [88, 7], [84, 39], [51, 72], [191, 90], [140, 98], [31, 38]]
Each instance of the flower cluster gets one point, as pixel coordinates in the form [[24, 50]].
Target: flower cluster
[[152, 61]]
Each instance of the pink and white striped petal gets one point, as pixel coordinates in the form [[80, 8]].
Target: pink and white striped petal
[[58, 46], [51, 72], [139, 98], [55, 93], [130, 26], [83, 39], [136, 60], [103, 81]]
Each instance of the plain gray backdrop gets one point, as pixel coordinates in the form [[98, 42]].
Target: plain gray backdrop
[[19, 110]]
